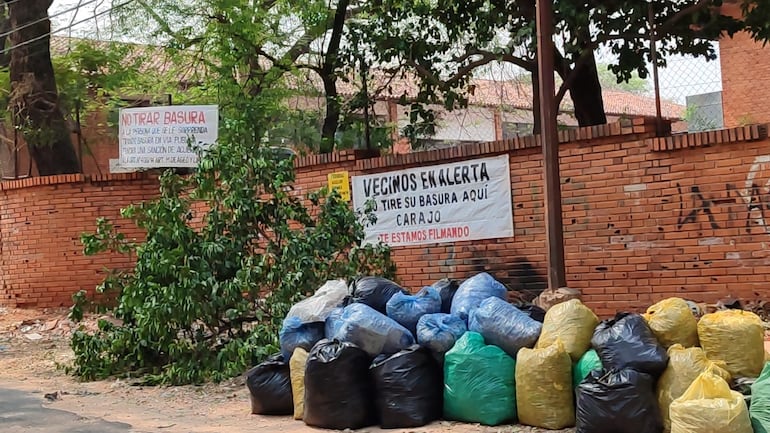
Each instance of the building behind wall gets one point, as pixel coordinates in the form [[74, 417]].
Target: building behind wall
[[745, 76]]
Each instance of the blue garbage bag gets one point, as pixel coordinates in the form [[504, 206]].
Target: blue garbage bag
[[333, 322], [439, 332], [407, 309], [294, 333], [372, 331], [504, 325], [474, 290]]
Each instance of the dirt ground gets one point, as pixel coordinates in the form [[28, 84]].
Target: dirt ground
[[34, 347]]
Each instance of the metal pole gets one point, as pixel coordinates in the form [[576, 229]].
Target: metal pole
[[16, 151], [549, 137], [79, 133], [655, 81]]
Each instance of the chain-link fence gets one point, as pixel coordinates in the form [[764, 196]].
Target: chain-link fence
[[695, 85]]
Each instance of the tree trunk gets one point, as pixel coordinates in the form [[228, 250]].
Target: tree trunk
[[5, 28], [34, 100], [332, 117], [586, 93], [328, 74]]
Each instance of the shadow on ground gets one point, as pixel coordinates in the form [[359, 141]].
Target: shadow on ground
[[23, 412]]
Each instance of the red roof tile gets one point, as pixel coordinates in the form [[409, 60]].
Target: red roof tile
[[513, 94]]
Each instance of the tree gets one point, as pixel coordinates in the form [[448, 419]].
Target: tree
[[34, 99], [211, 287], [268, 42], [5, 29], [205, 302], [445, 43]]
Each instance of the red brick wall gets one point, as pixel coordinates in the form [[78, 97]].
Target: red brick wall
[[745, 68], [645, 218], [41, 220]]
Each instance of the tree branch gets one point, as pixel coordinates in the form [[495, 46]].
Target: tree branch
[[486, 58], [697, 7], [510, 58], [302, 45]]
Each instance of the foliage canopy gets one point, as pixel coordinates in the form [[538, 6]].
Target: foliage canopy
[[446, 43]]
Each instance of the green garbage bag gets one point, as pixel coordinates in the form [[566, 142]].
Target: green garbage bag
[[586, 364], [479, 382], [759, 411]]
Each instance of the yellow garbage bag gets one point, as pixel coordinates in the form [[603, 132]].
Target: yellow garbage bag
[[735, 337], [544, 387], [571, 322], [684, 366], [297, 372], [709, 406], [672, 322]]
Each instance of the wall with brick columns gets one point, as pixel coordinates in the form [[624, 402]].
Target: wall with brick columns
[[41, 220], [645, 218]]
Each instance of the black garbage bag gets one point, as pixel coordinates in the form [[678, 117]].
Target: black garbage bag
[[617, 402], [374, 292], [269, 384], [627, 342], [294, 333], [447, 289], [409, 388], [532, 311], [338, 389]]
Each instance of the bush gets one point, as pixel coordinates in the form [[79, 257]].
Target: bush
[[206, 300]]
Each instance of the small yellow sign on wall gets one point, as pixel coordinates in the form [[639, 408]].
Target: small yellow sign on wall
[[340, 181]]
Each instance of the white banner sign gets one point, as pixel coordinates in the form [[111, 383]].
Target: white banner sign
[[443, 203], [155, 137]]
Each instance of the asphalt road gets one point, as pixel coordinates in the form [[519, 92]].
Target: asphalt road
[[22, 412]]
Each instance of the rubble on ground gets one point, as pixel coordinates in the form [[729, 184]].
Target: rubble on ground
[[45, 325]]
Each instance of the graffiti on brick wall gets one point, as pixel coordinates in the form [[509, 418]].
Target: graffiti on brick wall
[[748, 205], [698, 205], [756, 193]]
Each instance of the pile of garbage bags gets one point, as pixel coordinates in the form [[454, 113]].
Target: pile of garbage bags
[[370, 353]]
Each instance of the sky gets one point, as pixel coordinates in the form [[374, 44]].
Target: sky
[[77, 17], [683, 76]]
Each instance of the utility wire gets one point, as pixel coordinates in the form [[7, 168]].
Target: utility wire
[[35, 39], [47, 17], [75, 15]]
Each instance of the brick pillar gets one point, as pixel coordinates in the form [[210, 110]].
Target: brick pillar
[[498, 125]]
